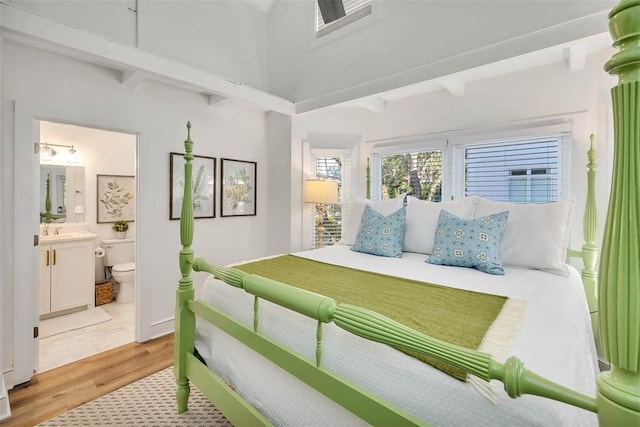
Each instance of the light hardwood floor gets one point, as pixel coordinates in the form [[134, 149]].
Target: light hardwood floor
[[58, 390]]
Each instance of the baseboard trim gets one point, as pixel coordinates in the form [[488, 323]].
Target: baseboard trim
[[162, 327], [5, 409]]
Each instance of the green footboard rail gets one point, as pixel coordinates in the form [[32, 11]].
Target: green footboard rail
[[375, 327]]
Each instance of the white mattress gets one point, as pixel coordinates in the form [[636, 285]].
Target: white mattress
[[555, 341]]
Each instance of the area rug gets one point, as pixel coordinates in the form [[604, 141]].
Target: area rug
[[73, 321], [150, 401]]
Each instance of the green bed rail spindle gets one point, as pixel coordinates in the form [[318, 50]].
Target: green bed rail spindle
[[619, 295]]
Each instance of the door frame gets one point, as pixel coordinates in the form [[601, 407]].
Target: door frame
[[26, 193]]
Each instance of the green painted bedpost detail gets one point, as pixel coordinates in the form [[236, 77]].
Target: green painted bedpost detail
[[368, 180], [516, 379], [47, 201], [589, 248], [619, 295], [184, 318]]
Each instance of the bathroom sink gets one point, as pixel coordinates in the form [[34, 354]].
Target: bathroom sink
[[63, 237]]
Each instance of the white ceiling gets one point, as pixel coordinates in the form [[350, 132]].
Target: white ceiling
[[262, 5], [29, 28], [572, 54]]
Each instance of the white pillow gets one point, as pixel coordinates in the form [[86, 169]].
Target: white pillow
[[422, 220], [536, 236], [356, 207]]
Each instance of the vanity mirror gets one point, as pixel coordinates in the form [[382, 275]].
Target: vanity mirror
[[66, 191]]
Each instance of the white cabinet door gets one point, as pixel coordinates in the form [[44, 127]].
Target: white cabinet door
[[72, 275], [45, 279]]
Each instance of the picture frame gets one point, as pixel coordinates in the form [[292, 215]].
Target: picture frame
[[116, 198], [238, 193], [203, 185]]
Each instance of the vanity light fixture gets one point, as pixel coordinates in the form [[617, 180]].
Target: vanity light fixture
[[47, 152]]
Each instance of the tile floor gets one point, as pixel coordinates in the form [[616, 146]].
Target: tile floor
[[70, 346]]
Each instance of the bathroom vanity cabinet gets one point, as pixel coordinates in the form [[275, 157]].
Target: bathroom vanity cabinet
[[67, 272]]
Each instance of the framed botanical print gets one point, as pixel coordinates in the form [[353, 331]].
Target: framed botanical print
[[203, 185], [238, 195], [116, 196]]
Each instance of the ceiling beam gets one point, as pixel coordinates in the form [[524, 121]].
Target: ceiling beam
[[576, 56], [375, 104], [217, 100], [454, 85], [29, 28], [132, 78], [515, 47]]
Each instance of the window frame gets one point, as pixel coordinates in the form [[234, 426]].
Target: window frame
[[453, 146], [316, 41], [348, 158]]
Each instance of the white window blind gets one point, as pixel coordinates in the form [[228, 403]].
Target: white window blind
[[354, 10], [334, 167], [519, 171]]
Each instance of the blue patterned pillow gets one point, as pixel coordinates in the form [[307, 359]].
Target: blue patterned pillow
[[379, 234], [469, 242]]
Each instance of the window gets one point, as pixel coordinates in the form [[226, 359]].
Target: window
[[518, 170], [417, 173], [332, 15], [522, 171], [334, 167]]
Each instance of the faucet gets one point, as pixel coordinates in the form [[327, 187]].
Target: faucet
[[45, 230], [56, 231]]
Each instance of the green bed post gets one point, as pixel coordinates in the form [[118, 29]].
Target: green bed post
[[589, 248], [368, 180], [185, 319], [619, 296], [47, 201]]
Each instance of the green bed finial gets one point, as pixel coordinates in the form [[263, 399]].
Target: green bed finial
[[619, 295]]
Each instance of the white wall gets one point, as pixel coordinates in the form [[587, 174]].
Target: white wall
[[517, 99], [412, 41], [225, 37], [278, 129], [85, 94]]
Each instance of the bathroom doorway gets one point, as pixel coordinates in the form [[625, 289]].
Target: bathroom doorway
[[84, 172]]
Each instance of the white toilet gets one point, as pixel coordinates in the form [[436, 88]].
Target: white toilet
[[120, 255]]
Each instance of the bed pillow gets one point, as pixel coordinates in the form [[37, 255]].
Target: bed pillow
[[537, 234], [469, 242], [422, 218], [379, 234], [356, 208]]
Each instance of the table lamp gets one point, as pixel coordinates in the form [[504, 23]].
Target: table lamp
[[320, 193]]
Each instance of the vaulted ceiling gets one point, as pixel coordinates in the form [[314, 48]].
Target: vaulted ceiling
[[411, 47]]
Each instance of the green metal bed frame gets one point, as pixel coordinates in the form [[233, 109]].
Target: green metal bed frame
[[614, 307]]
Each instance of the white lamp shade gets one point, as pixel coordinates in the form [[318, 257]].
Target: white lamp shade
[[317, 191]]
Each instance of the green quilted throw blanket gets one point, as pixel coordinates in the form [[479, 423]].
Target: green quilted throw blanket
[[456, 316]]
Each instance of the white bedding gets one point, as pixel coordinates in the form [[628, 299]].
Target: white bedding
[[555, 341]]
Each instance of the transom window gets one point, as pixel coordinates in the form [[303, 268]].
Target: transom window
[[332, 15]]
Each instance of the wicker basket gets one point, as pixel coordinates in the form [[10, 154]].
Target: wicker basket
[[104, 292]]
